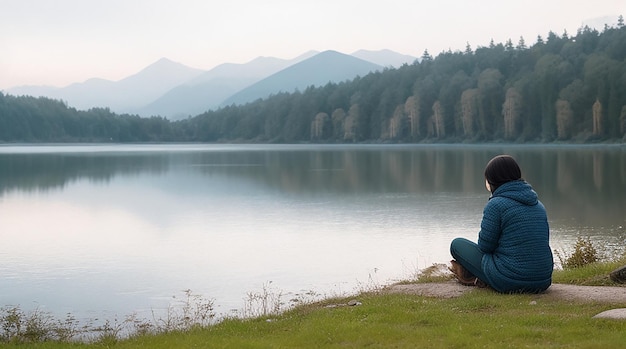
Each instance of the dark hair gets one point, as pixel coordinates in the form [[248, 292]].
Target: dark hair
[[502, 169]]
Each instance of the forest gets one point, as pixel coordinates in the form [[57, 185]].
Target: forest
[[563, 88]]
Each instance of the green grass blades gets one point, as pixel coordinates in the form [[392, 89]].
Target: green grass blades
[[594, 274], [476, 320]]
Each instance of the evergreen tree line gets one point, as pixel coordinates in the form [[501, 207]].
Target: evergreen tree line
[[562, 88]]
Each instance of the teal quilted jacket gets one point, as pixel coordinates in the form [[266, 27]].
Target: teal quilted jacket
[[514, 235]]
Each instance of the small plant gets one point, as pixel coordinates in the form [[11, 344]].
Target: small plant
[[263, 303], [435, 273], [584, 254], [12, 322], [193, 311], [38, 327], [69, 329], [108, 333], [139, 326], [20, 327]]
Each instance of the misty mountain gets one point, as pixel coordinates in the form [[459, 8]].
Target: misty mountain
[[78, 95], [33, 90], [173, 90], [120, 96], [385, 58], [328, 66], [211, 88]]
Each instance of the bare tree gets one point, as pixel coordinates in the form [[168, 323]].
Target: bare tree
[[469, 110], [622, 119], [597, 118], [411, 109], [511, 111], [438, 122], [338, 118], [350, 124], [490, 100], [564, 116], [396, 124], [317, 126]]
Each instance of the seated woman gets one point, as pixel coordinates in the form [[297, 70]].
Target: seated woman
[[513, 253]]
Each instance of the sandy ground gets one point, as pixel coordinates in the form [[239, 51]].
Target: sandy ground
[[603, 294], [450, 289]]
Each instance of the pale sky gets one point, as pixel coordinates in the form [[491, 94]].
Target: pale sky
[[58, 42]]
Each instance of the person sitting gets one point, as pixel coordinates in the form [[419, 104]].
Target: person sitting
[[513, 253]]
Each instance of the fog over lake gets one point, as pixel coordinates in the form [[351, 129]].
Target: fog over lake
[[110, 230]]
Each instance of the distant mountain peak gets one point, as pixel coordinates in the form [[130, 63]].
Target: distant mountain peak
[[168, 88], [320, 69], [385, 57], [209, 89], [165, 60], [168, 67]]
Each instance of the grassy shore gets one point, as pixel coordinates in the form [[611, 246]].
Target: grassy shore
[[477, 319]]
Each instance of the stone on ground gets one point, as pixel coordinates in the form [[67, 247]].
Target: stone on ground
[[619, 274], [619, 314]]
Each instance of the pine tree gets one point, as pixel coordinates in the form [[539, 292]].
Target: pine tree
[[521, 44], [426, 56], [508, 46]]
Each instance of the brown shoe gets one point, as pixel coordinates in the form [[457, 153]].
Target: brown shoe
[[462, 275]]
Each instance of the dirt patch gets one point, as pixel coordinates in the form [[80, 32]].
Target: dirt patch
[[451, 289], [602, 294], [448, 289]]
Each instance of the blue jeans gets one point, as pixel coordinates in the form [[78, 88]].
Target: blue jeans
[[469, 255]]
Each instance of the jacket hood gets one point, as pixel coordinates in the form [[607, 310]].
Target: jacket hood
[[519, 191]]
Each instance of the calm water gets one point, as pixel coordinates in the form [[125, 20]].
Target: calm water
[[110, 230]]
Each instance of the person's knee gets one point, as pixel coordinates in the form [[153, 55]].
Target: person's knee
[[457, 242], [454, 246]]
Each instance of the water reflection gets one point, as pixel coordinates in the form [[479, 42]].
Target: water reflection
[[84, 226], [43, 172], [579, 182], [582, 187]]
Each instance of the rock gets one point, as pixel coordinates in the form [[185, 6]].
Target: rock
[[619, 314], [351, 303], [619, 274]]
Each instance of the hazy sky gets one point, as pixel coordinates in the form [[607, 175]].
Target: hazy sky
[[57, 42]]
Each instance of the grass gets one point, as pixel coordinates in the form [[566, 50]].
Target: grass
[[477, 319], [593, 274]]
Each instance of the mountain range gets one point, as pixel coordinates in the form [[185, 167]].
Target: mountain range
[[176, 91]]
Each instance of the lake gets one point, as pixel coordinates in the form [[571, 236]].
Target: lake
[[103, 231]]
